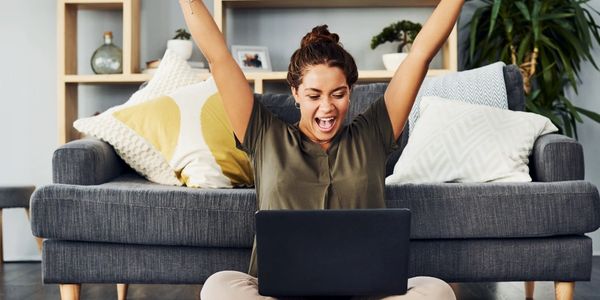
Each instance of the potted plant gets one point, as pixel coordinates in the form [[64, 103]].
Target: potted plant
[[181, 44], [548, 40], [404, 32]]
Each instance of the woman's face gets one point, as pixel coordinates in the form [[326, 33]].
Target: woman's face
[[324, 98]]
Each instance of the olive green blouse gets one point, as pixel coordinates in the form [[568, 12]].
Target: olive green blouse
[[292, 172]]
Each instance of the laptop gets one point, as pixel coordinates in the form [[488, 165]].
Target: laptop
[[356, 252]]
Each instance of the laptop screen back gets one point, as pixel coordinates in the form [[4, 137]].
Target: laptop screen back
[[333, 252]]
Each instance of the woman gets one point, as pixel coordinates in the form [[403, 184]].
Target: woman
[[318, 163]]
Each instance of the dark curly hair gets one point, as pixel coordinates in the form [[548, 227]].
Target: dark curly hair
[[321, 47]]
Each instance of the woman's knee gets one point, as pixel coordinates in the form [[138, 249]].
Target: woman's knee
[[220, 284], [431, 288], [223, 277]]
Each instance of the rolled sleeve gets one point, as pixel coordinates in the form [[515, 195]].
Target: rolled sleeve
[[260, 120], [376, 122]]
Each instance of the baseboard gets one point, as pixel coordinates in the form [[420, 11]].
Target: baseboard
[[29, 258]]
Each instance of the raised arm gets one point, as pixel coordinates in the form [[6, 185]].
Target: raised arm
[[404, 86], [233, 86]]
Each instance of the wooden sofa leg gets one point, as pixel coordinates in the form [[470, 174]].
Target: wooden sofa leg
[[529, 288], [70, 291], [122, 291], [564, 290]]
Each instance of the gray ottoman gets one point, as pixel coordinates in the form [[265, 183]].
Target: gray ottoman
[[15, 197]]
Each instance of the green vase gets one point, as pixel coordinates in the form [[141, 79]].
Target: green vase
[[108, 59]]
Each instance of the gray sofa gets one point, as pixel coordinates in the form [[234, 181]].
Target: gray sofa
[[102, 223]]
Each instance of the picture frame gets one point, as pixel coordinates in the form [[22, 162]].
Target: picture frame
[[252, 58]]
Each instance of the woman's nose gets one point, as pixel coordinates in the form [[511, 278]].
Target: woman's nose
[[326, 104]]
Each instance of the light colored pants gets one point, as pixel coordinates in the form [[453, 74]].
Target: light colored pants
[[233, 285]]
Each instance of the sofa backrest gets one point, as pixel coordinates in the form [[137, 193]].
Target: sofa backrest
[[282, 105]]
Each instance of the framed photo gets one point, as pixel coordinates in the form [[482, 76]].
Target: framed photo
[[252, 58]]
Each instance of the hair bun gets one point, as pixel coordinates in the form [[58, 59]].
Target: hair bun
[[319, 34]]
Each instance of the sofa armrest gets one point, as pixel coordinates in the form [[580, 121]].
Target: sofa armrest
[[556, 157], [86, 162]]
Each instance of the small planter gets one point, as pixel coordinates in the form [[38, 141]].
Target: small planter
[[392, 61], [403, 32], [183, 48]]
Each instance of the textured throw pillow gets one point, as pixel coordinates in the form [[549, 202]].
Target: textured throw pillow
[[172, 73], [461, 142], [178, 137], [484, 85]]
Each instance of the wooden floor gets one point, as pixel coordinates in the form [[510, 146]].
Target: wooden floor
[[21, 281]]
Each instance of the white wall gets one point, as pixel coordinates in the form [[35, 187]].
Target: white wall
[[28, 109]]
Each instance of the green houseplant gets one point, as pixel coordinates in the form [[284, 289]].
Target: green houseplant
[[548, 40], [404, 32], [181, 43], [182, 34]]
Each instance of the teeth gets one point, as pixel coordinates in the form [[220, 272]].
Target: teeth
[[326, 123]]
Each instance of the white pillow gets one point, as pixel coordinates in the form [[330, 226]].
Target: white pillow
[[173, 132], [461, 142], [172, 73]]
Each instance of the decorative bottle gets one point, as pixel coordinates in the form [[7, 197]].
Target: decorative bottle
[[108, 59]]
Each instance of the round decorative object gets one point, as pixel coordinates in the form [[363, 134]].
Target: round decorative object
[[108, 59], [183, 48], [392, 61]]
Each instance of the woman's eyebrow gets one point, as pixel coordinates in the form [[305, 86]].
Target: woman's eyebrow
[[340, 88], [319, 91], [313, 89]]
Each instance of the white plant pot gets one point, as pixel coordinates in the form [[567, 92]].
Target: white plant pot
[[391, 61], [183, 48]]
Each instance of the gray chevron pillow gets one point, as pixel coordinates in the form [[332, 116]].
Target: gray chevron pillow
[[484, 85], [456, 141]]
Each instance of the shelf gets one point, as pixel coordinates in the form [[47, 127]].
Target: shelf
[[112, 78], [327, 3], [367, 75], [93, 4]]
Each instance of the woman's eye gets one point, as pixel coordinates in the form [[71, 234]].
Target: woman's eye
[[313, 97], [339, 96]]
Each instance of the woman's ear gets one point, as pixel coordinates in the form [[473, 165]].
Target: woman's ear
[[295, 94]]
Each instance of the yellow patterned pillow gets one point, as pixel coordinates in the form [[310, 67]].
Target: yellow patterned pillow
[[187, 129]]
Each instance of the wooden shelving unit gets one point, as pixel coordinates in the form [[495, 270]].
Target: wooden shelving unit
[[69, 80], [449, 50]]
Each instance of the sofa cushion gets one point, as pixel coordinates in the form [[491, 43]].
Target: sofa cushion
[[468, 260], [498, 210], [132, 210]]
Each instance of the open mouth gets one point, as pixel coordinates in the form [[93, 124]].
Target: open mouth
[[325, 124]]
